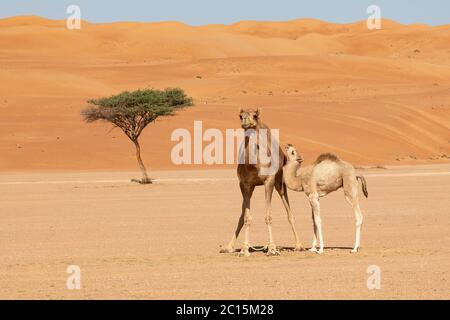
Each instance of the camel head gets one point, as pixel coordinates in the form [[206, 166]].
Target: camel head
[[292, 154], [249, 118]]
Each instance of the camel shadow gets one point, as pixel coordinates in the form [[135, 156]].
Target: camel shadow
[[281, 248], [284, 248]]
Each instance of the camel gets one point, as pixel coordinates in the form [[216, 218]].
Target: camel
[[327, 174], [249, 177]]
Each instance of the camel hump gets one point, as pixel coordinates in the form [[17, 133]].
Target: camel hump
[[327, 156]]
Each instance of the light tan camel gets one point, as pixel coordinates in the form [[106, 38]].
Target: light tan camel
[[250, 176], [327, 174]]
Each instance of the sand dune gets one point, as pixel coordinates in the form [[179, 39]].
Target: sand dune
[[374, 97]]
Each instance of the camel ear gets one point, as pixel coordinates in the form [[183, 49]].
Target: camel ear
[[258, 112], [241, 110]]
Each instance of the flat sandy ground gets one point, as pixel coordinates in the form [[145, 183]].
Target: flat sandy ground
[[163, 240]]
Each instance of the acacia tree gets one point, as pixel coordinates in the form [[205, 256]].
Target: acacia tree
[[133, 111]]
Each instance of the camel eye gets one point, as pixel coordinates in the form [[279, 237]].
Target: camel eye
[[255, 116], [240, 117]]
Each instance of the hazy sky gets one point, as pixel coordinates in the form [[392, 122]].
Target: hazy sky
[[195, 12]]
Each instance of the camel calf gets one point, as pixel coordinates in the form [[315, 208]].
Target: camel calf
[[327, 174]]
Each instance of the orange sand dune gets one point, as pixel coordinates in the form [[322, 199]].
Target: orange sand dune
[[372, 96]]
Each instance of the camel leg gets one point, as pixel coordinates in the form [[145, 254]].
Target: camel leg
[[314, 243], [248, 191], [354, 203], [271, 247], [282, 191], [230, 247], [315, 204]]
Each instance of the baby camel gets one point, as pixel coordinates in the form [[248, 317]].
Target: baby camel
[[327, 174]]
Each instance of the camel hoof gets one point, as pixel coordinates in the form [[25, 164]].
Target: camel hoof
[[320, 251], [313, 249], [299, 247], [226, 250], [272, 250], [355, 250], [244, 253]]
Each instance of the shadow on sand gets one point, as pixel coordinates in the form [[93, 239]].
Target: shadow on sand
[[282, 248]]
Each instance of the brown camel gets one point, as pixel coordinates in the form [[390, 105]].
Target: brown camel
[[327, 174], [251, 175]]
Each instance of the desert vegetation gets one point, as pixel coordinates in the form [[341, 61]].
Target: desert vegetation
[[133, 111]]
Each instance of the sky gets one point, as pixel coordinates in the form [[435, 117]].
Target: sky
[[199, 12]]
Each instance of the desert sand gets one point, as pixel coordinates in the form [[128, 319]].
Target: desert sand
[[376, 98], [373, 97], [163, 240]]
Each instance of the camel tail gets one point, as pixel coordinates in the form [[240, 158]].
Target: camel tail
[[363, 185]]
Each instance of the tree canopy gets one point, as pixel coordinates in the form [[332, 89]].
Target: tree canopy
[[133, 111]]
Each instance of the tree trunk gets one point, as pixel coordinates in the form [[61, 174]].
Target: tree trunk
[[145, 178]]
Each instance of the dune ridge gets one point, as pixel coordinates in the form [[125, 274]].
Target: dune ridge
[[373, 96]]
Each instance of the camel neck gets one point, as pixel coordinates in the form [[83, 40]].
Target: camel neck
[[292, 180]]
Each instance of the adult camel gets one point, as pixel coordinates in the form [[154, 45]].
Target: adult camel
[[252, 174]]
